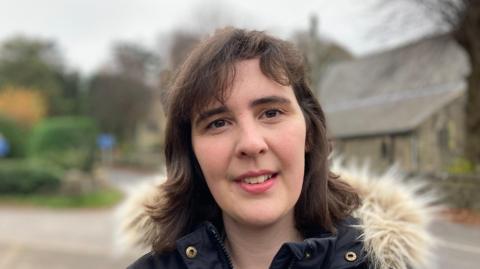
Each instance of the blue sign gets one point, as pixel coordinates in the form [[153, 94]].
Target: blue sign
[[105, 141], [4, 147]]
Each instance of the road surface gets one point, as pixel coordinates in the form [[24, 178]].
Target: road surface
[[46, 238]]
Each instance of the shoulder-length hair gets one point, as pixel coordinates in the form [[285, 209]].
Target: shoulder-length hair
[[206, 75]]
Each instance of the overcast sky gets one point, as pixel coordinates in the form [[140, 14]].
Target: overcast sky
[[84, 30]]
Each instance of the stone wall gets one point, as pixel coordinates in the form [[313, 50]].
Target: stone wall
[[433, 147], [381, 151], [441, 138], [457, 191]]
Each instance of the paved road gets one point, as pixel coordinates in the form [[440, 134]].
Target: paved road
[[33, 238], [126, 180], [40, 238], [44, 238], [51, 238], [458, 246]]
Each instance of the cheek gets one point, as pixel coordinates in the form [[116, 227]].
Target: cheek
[[292, 141], [210, 155], [293, 152], [211, 158]]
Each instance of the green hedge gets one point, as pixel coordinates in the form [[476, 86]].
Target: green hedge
[[98, 199], [22, 177], [15, 136], [66, 142]]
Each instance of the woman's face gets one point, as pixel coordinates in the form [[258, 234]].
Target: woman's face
[[252, 148]]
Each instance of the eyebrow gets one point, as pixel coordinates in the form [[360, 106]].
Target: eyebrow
[[211, 112], [269, 100], [257, 102]]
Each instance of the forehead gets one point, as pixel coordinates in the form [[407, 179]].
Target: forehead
[[251, 82], [247, 81]]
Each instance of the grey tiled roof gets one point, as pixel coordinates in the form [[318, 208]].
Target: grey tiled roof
[[393, 115], [393, 91]]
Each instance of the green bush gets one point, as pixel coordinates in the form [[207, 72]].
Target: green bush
[[15, 136], [66, 142], [461, 166], [22, 177], [98, 199]]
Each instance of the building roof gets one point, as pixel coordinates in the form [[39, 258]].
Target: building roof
[[393, 91]]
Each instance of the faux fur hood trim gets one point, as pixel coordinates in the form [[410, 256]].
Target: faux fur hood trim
[[394, 218], [395, 215]]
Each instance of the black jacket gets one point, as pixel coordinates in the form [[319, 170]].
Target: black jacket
[[203, 248], [393, 228]]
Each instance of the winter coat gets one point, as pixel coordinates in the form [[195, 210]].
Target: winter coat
[[204, 248], [389, 231]]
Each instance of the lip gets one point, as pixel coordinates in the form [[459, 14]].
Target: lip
[[260, 187], [254, 174]]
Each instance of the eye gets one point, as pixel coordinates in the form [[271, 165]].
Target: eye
[[272, 113], [217, 124]]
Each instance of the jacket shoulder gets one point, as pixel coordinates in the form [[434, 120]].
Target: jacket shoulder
[[394, 217], [151, 260]]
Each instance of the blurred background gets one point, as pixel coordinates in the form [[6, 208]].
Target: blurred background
[[83, 83]]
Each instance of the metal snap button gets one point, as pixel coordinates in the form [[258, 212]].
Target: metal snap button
[[307, 255], [191, 252], [351, 256]]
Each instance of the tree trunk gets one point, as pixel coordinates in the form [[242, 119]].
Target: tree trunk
[[468, 35]]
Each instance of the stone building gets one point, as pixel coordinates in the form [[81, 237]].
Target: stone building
[[405, 106]]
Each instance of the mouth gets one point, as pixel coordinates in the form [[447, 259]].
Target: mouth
[[258, 182], [257, 179]]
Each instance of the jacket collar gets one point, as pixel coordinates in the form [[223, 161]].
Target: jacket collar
[[324, 250]]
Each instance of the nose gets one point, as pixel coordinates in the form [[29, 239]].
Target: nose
[[251, 141]]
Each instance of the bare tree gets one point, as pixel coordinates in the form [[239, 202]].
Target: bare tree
[[182, 43], [122, 94], [136, 62], [461, 18], [118, 103]]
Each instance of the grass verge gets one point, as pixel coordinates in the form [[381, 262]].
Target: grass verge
[[98, 199]]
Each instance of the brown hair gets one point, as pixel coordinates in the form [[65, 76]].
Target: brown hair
[[206, 74]]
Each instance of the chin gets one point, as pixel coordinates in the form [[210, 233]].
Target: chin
[[261, 220]]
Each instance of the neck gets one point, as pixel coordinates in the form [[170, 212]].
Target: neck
[[255, 247]]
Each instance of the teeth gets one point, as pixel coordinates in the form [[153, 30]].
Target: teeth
[[256, 180]]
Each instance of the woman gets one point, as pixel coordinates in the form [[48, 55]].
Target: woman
[[249, 184]]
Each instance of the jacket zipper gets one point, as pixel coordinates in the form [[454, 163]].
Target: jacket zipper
[[225, 252], [222, 246]]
